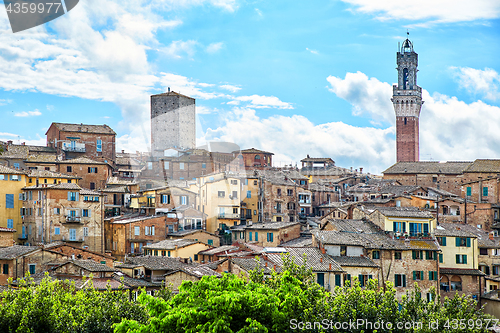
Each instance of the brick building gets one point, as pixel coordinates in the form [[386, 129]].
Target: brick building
[[272, 234], [93, 174], [96, 142], [257, 159]]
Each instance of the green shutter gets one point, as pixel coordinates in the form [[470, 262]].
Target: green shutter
[[394, 226], [422, 275], [457, 241], [414, 275], [464, 256], [441, 258], [396, 280], [404, 280], [443, 241], [431, 277], [468, 242], [457, 258], [414, 254], [360, 277], [370, 277], [348, 278], [337, 280], [427, 256], [485, 191], [469, 191]]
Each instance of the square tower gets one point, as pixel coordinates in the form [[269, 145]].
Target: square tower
[[407, 101], [173, 122]]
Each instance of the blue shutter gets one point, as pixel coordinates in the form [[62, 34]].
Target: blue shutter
[[69, 196], [10, 223], [394, 226], [469, 191], [250, 236], [256, 237], [457, 241], [485, 191], [404, 227], [9, 201], [426, 228]]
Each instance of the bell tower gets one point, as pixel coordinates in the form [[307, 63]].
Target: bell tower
[[407, 101]]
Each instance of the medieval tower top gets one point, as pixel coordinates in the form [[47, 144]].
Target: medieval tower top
[[407, 101]]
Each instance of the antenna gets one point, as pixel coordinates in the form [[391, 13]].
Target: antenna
[[407, 33]]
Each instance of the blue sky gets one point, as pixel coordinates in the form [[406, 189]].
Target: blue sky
[[294, 78]]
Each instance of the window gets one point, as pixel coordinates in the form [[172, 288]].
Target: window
[[73, 196], [85, 231], [92, 186], [343, 250], [461, 259], [289, 192], [137, 231], [249, 194], [165, 199], [16, 166], [184, 200], [418, 275], [69, 169], [92, 169], [483, 251], [399, 280], [430, 255], [417, 254], [234, 182], [9, 201], [203, 165], [235, 195], [166, 165], [69, 181], [221, 194], [57, 231], [376, 255], [10, 223], [72, 234], [434, 179], [278, 218], [469, 191], [398, 255], [150, 165], [211, 242], [433, 275], [270, 237], [181, 165], [399, 227], [441, 241], [5, 269], [32, 268], [418, 229], [495, 270], [85, 212], [98, 146], [462, 242], [255, 182], [485, 191], [278, 192]]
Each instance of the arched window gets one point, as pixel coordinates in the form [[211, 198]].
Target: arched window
[[444, 283], [257, 157], [456, 283], [405, 78]]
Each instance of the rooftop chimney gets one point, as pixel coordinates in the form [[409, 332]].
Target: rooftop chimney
[[168, 89], [123, 151], [491, 236], [23, 144], [9, 142]]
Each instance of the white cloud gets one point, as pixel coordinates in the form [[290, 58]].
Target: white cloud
[[186, 86], [50, 107], [214, 47], [200, 109], [28, 113], [259, 102], [441, 11], [178, 49], [3, 134], [449, 129], [291, 138], [230, 87], [312, 51], [484, 82], [233, 103], [5, 101], [259, 12]]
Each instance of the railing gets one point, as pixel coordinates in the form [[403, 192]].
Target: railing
[[228, 216], [73, 219], [77, 147]]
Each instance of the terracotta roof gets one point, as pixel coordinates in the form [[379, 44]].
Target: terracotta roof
[[90, 265], [134, 283], [2, 229], [85, 191], [317, 159], [254, 151], [484, 165], [404, 212], [298, 242], [170, 244], [61, 186], [7, 170], [50, 174], [116, 189], [433, 167], [12, 252], [354, 261], [81, 160], [183, 233], [153, 263], [196, 271], [452, 230], [315, 259], [460, 271], [329, 171], [83, 128], [271, 225], [220, 249], [250, 264]]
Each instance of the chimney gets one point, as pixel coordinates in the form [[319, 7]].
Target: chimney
[[168, 89], [23, 144], [360, 170], [330, 267], [9, 142], [321, 260], [123, 151], [491, 236]]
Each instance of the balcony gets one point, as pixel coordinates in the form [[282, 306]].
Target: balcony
[[23, 237], [73, 147], [228, 216], [75, 240], [73, 219]]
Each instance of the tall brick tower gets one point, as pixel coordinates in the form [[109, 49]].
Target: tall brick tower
[[407, 101]]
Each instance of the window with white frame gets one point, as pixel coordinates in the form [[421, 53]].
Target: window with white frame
[[98, 145]]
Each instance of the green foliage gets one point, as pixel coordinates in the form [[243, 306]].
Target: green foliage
[[58, 306]]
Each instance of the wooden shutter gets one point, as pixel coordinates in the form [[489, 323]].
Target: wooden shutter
[[414, 275], [404, 280], [360, 277], [464, 256], [443, 240], [457, 241], [337, 280], [468, 242], [422, 277], [414, 254]]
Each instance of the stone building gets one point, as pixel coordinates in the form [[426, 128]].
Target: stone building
[[93, 174], [96, 142], [271, 234], [173, 122], [63, 212], [257, 159], [407, 101]]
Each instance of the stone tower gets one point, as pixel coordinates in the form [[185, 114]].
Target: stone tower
[[173, 123], [407, 101]]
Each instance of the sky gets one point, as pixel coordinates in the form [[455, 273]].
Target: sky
[[294, 78]]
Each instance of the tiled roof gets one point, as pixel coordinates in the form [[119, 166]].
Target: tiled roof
[[50, 174], [7, 170], [105, 283], [484, 165], [298, 242], [404, 212], [432, 167], [170, 244], [315, 259], [2, 229], [15, 251], [354, 225], [441, 192], [271, 225], [399, 190], [354, 261], [197, 271], [82, 160], [153, 263], [84, 128], [330, 171], [91, 265], [483, 236], [250, 264], [316, 159], [320, 187], [452, 230], [183, 233], [42, 149], [134, 283], [61, 186], [255, 151], [116, 189], [42, 158], [220, 249], [460, 271], [85, 191]]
